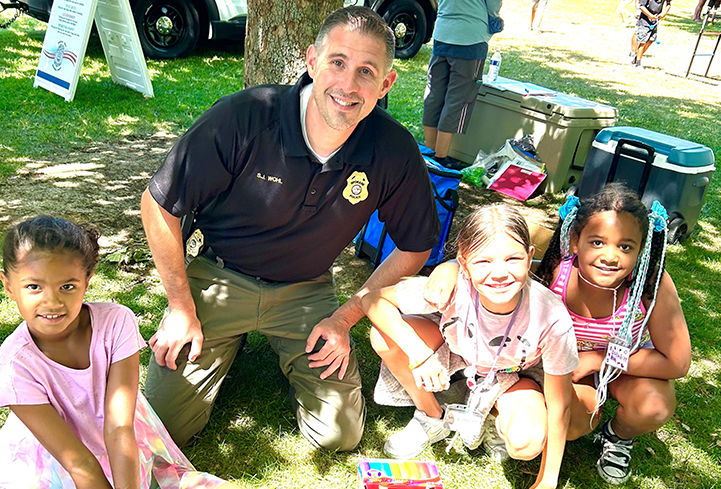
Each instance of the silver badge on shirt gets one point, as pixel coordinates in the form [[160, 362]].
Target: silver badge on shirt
[[195, 243]]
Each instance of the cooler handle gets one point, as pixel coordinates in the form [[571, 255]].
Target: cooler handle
[[637, 150], [701, 182]]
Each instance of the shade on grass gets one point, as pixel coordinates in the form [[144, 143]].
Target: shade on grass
[[252, 436]]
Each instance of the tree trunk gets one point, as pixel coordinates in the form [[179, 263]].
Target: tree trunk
[[278, 33]]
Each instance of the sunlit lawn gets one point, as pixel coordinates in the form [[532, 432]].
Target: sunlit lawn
[[252, 436]]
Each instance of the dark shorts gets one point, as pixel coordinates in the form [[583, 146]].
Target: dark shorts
[[451, 91], [644, 32]]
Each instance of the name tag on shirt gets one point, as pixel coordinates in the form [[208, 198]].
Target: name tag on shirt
[[617, 356]]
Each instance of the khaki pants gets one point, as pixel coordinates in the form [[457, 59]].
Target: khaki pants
[[330, 412]]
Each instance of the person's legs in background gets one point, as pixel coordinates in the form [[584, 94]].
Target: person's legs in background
[[642, 48], [634, 44], [624, 15], [459, 102], [435, 95], [443, 144], [537, 9], [697, 11], [644, 36]]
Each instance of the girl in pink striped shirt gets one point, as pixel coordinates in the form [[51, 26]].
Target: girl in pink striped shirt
[[606, 261]]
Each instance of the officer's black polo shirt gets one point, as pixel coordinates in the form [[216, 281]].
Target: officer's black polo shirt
[[269, 209]]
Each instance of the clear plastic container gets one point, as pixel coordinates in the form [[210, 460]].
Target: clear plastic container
[[495, 66]]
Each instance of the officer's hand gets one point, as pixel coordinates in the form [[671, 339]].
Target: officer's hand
[[176, 330], [336, 351]]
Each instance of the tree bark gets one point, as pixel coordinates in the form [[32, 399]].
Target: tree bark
[[278, 33]]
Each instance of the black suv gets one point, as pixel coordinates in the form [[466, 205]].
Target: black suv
[[172, 28], [412, 22]]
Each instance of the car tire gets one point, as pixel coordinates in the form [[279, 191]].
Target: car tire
[[167, 28], [408, 22]]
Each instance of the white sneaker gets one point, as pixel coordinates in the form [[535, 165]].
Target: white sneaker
[[420, 432], [492, 443]]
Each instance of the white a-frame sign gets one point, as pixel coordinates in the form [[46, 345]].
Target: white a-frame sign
[[66, 38]]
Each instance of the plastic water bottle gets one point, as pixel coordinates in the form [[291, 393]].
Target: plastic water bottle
[[495, 66]]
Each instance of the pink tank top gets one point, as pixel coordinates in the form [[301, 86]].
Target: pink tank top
[[591, 333]]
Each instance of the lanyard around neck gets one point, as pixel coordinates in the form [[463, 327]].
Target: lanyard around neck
[[615, 297], [492, 372]]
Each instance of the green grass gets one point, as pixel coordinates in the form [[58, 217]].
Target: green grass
[[35, 121], [252, 437]]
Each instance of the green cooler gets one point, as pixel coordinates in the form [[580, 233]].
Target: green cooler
[[563, 126], [673, 171]]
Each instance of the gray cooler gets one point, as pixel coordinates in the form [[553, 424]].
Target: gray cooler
[[673, 171], [563, 126]]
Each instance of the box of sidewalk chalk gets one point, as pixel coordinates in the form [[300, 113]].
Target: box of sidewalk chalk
[[377, 473]]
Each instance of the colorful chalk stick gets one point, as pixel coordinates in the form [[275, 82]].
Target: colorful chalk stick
[[413, 470], [395, 470], [423, 469]]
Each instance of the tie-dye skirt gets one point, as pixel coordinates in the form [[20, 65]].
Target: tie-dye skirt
[[26, 463]]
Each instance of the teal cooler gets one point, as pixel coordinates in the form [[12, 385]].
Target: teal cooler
[[563, 126], [673, 171]]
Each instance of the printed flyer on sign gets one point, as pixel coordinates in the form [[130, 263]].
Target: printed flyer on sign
[[64, 46]]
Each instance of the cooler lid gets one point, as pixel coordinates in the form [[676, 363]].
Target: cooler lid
[[677, 151], [541, 99]]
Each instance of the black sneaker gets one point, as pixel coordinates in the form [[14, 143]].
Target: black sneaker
[[633, 60], [614, 464], [492, 442]]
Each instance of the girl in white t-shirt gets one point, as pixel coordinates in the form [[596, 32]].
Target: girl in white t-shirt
[[497, 320], [69, 374]]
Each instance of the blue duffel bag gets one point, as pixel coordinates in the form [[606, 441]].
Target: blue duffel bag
[[374, 243]]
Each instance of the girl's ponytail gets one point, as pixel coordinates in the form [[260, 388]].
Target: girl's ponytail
[[551, 259], [657, 262]]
